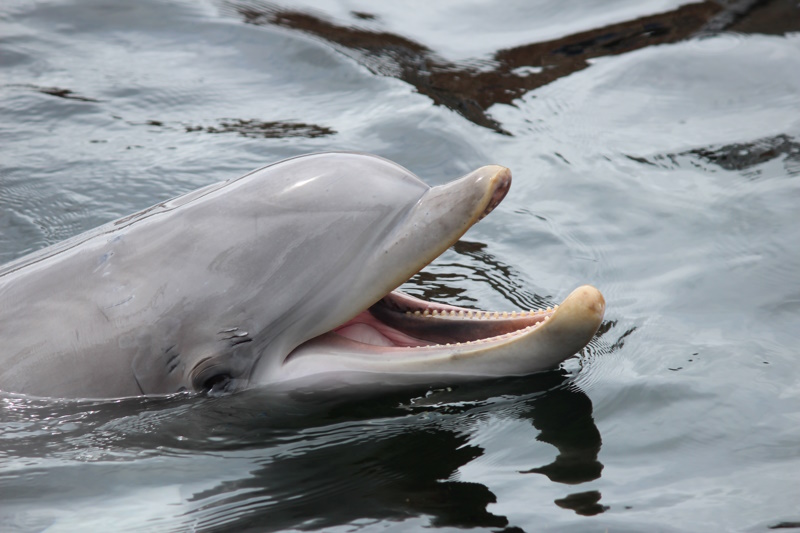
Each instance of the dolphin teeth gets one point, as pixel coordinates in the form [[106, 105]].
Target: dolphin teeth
[[473, 314]]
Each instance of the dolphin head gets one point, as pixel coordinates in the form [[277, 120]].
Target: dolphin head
[[286, 274], [339, 232]]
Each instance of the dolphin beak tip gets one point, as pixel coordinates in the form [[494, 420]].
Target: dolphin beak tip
[[499, 184], [585, 304]]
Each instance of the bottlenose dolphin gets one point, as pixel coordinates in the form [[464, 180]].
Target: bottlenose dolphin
[[285, 275]]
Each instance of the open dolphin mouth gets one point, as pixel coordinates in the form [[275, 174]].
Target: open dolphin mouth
[[403, 321], [401, 334]]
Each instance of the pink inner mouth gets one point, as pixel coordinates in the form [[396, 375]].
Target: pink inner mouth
[[402, 321]]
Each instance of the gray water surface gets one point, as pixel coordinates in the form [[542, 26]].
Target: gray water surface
[[655, 148]]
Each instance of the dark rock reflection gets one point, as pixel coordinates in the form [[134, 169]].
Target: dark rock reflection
[[509, 74], [736, 157], [741, 156], [58, 92]]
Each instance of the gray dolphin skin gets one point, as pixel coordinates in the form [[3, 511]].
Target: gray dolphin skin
[[283, 276]]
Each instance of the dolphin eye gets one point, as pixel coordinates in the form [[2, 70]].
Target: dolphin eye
[[217, 384], [211, 376]]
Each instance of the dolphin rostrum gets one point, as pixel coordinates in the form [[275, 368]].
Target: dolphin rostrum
[[287, 273]]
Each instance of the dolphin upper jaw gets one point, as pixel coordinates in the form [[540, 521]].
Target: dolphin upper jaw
[[441, 216]]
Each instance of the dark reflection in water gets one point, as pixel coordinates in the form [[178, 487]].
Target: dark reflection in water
[[738, 156], [564, 418], [388, 478], [583, 503], [268, 130], [321, 459], [471, 90], [742, 156], [57, 91], [399, 469], [786, 525]]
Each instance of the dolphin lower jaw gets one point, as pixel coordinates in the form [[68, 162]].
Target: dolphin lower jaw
[[405, 336]]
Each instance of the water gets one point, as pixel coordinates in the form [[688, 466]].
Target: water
[[656, 154]]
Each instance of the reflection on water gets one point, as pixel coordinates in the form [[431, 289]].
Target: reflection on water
[[471, 90], [564, 419], [321, 459], [58, 92], [267, 130], [739, 156]]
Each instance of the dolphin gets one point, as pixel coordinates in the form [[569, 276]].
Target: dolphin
[[285, 275]]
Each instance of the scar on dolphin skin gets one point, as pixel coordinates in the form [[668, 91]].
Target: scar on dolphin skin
[[206, 300]]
